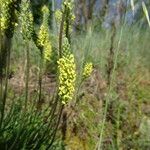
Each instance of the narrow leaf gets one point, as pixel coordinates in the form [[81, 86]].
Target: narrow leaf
[[146, 13], [132, 5]]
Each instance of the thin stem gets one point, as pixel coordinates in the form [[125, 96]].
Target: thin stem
[[111, 56], [40, 80], [1, 81], [67, 24], [4, 93], [53, 17], [56, 127], [61, 33], [51, 119], [109, 91], [117, 128], [27, 74]]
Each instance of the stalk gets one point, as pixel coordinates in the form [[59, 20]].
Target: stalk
[[56, 127], [40, 80], [27, 74], [109, 91], [51, 118], [61, 33], [117, 128], [57, 97], [104, 10], [53, 17], [67, 20], [4, 92], [111, 56], [1, 88]]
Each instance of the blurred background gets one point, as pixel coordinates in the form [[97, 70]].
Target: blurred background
[[102, 12]]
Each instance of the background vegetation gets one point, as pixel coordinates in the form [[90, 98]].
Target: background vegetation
[[74, 75]]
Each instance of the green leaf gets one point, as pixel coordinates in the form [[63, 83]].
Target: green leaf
[[146, 13]]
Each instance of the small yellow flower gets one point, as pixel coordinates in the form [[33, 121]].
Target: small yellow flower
[[88, 68]]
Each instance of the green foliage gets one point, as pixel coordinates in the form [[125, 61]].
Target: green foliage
[[22, 130]]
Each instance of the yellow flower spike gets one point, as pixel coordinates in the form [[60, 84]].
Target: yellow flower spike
[[67, 74], [7, 16], [43, 36], [45, 10], [88, 68], [58, 16], [68, 4], [26, 20]]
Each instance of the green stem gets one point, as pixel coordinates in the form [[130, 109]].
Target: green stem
[[53, 17], [4, 93], [56, 127], [27, 74], [109, 91], [40, 80], [117, 128], [1, 87], [61, 33], [67, 20]]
